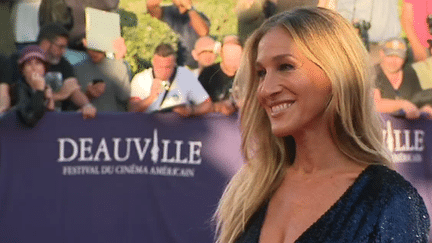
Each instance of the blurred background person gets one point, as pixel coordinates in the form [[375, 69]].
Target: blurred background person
[[186, 21], [396, 83], [55, 11], [416, 14], [60, 76], [5, 84], [205, 53], [252, 13], [77, 8], [105, 81], [217, 79], [168, 87], [70, 14], [376, 21], [424, 71], [7, 45], [34, 96], [25, 24]]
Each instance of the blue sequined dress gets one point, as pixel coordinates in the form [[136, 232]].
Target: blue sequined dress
[[380, 206]]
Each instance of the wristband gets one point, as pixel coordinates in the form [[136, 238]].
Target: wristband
[[88, 104]]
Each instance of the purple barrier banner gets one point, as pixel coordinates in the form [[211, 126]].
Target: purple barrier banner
[[118, 178], [410, 142], [130, 177]]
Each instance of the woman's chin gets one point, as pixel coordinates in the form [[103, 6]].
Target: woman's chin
[[280, 132]]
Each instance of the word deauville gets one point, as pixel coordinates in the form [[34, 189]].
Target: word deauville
[[405, 145], [403, 140], [121, 149]]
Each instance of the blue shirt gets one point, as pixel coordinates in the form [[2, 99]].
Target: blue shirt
[[381, 206]]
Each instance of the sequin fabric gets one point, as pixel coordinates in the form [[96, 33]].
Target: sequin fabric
[[380, 206]]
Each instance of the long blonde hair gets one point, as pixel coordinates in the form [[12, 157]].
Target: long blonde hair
[[329, 41]]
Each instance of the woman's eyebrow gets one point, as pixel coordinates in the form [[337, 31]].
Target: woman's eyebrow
[[280, 57]]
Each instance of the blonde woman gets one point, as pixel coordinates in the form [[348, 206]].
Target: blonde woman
[[316, 169]]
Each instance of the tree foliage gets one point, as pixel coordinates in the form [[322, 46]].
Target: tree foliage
[[143, 33]]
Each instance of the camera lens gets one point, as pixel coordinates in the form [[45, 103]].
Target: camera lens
[[429, 22]]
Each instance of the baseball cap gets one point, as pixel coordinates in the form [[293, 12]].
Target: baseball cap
[[395, 46], [32, 51]]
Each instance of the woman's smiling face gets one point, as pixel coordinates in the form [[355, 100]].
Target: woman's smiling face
[[293, 90]]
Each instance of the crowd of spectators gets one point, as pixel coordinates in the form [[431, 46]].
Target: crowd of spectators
[[217, 79], [52, 68]]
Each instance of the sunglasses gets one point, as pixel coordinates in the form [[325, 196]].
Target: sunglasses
[[395, 45]]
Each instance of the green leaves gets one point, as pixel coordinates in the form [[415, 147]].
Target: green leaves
[[143, 33]]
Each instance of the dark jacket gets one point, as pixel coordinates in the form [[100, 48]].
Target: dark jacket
[[30, 105]]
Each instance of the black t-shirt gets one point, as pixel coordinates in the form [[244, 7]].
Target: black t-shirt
[[64, 67], [217, 84], [410, 84], [56, 74]]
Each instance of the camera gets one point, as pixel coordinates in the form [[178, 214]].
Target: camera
[[429, 23], [363, 26]]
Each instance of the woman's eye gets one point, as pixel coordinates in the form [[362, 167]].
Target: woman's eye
[[261, 73], [286, 67]]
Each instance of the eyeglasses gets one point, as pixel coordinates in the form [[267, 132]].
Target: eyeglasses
[[206, 51], [62, 47]]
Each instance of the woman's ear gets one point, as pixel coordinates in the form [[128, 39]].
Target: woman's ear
[[194, 55], [84, 41], [45, 45]]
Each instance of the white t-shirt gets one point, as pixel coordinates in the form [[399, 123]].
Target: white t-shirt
[[185, 89]]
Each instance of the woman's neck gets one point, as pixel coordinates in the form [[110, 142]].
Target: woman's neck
[[317, 152]]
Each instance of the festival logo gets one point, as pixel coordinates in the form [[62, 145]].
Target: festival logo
[[406, 145], [131, 155]]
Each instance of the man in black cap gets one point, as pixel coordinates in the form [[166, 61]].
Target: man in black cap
[[396, 83]]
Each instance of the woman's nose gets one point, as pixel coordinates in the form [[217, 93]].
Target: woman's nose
[[269, 86]]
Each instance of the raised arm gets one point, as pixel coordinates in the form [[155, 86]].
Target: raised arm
[[407, 22], [154, 8], [136, 104], [198, 22]]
